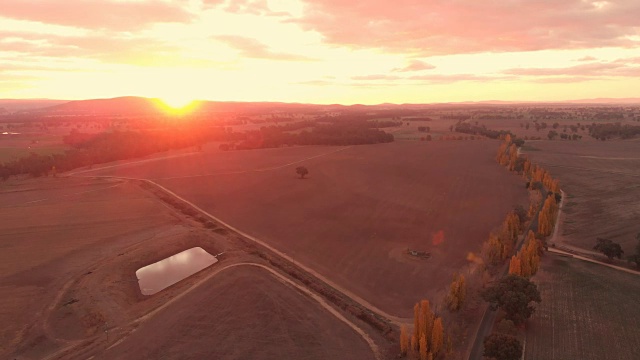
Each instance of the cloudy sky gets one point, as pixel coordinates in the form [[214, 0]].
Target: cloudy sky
[[320, 51]]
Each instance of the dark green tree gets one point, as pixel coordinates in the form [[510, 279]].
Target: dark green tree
[[502, 347], [609, 248], [302, 171], [513, 294]]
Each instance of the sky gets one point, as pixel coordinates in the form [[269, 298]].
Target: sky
[[320, 51]]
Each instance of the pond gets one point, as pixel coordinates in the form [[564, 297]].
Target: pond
[[164, 273]]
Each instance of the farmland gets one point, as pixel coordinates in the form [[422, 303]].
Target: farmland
[[212, 322], [70, 251], [587, 312], [600, 180], [360, 209]]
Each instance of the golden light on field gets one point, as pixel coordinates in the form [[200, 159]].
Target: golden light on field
[[304, 51]]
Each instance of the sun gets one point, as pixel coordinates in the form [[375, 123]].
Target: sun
[[177, 105], [177, 102]]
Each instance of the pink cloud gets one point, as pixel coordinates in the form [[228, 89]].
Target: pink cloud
[[252, 48], [593, 70], [467, 26], [253, 7], [415, 65], [451, 78], [587, 58], [431, 78], [562, 79], [95, 14], [110, 47], [376, 77]]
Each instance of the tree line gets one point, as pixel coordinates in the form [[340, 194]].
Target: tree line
[[351, 133], [91, 149], [427, 340], [88, 149], [468, 128], [613, 130]]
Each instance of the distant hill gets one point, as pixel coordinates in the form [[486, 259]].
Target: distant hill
[[15, 105], [127, 105], [141, 106], [133, 105], [621, 101]]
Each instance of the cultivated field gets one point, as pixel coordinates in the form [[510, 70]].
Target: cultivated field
[[359, 210], [602, 183], [587, 312], [243, 313], [13, 147], [70, 249]]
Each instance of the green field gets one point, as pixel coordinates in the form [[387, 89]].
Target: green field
[[588, 312]]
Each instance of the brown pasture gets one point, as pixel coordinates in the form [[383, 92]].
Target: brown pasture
[[243, 313], [359, 210], [602, 185], [70, 249], [588, 312]]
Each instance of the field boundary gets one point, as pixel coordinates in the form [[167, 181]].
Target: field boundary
[[383, 316], [136, 322], [576, 254]]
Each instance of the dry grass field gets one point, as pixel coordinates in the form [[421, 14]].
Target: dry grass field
[[359, 210], [212, 322], [602, 183], [70, 249], [51, 232], [13, 147], [587, 312]]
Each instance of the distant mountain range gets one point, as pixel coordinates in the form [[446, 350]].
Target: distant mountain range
[[132, 105]]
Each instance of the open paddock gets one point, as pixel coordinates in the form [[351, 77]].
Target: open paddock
[[588, 312], [359, 210], [602, 183]]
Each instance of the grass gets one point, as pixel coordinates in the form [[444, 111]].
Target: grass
[[587, 312], [359, 209], [9, 154]]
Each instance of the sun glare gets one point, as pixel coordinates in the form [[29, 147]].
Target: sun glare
[[177, 103]]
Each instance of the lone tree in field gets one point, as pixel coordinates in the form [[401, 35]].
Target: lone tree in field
[[302, 171], [636, 257], [609, 248], [513, 294], [502, 347]]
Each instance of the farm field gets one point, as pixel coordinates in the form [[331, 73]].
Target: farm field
[[51, 231], [242, 313], [13, 147], [359, 210], [601, 181], [587, 312], [70, 249], [211, 161]]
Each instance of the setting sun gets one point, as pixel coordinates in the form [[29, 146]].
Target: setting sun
[[177, 103]]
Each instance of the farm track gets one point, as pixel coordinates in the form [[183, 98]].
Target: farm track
[[87, 346], [394, 319], [398, 321], [322, 299], [577, 253]]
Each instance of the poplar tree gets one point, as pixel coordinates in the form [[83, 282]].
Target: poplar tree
[[514, 266], [423, 347], [404, 340], [437, 336]]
